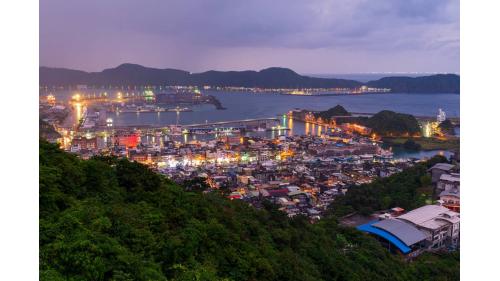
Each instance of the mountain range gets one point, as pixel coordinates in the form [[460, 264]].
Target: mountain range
[[274, 77]]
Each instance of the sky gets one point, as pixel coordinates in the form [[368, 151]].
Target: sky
[[308, 36]]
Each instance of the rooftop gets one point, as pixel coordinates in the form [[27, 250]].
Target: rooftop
[[450, 177], [443, 166], [452, 192], [403, 230], [428, 216], [386, 235]]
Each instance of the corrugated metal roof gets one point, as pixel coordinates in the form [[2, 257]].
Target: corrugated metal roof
[[404, 231], [423, 214], [442, 166], [386, 235], [430, 216]]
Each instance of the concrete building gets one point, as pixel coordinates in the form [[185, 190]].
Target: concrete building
[[441, 225], [427, 228], [450, 199], [448, 182], [439, 169]]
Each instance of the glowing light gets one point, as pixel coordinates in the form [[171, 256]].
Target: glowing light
[[51, 98], [78, 107], [76, 97]]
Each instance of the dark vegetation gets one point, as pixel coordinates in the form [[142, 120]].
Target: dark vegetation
[[440, 83], [409, 189], [388, 122], [447, 127], [411, 145], [111, 219], [274, 77], [338, 110], [383, 123]]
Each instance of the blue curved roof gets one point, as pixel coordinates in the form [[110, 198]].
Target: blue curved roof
[[386, 235]]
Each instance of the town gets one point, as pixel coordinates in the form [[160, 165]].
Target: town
[[302, 174]]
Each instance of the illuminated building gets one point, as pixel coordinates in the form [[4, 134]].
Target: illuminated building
[[128, 140], [441, 116], [149, 96], [109, 122], [85, 143], [51, 99]]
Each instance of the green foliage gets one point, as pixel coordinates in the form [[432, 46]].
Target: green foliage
[[338, 110], [391, 123], [447, 127], [411, 145], [110, 219], [407, 190], [384, 123]]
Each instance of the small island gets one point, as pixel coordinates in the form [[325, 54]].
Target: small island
[[392, 128]]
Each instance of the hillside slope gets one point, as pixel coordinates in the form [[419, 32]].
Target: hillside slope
[[111, 219]]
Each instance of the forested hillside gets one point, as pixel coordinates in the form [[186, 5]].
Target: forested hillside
[[111, 219]]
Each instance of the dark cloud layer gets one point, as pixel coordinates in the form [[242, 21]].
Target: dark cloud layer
[[314, 36]]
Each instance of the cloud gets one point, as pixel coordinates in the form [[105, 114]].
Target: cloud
[[188, 33]]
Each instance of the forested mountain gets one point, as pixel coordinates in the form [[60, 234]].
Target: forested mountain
[[274, 77], [440, 83], [111, 219]]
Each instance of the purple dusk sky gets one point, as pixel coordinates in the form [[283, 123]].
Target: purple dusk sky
[[308, 36]]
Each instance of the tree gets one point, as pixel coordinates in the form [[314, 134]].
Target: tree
[[110, 219]]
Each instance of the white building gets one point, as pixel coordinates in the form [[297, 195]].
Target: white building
[[441, 116], [441, 226]]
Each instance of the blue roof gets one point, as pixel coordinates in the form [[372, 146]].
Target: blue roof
[[386, 235]]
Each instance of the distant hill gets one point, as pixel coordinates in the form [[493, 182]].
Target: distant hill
[[388, 122], [274, 77], [338, 110], [384, 123], [439, 83]]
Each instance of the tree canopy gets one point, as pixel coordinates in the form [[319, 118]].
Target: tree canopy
[[408, 189], [111, 219]]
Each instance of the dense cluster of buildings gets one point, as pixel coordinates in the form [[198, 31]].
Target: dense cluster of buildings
[[302, 174]]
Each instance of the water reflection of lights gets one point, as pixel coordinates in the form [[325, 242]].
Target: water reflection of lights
[[78, 107], [307, 128], [290, 126], [427, 130]]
